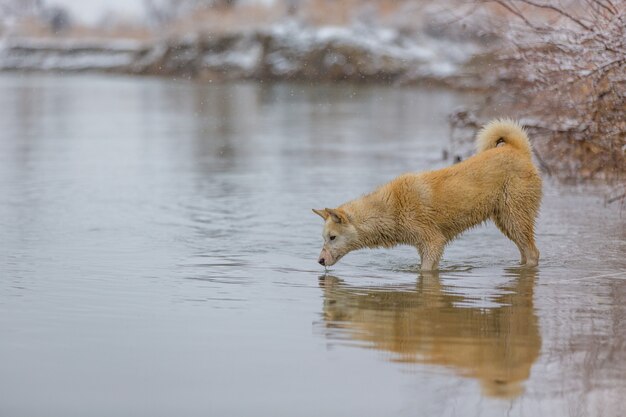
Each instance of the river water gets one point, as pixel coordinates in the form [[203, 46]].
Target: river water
[[158, 257]]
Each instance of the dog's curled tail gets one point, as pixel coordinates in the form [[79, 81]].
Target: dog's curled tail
[[503, 131]]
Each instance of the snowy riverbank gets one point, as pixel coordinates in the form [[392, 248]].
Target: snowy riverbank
[[283, 52]]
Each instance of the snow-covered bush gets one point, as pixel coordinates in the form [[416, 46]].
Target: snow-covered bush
[[565, 70], [569, 68]]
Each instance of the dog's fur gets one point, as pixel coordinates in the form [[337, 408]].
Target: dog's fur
[[427, 210]]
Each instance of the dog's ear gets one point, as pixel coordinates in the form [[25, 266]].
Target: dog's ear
[[322, 213], [338, 216]]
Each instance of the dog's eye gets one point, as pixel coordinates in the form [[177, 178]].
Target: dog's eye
[[332, 237]]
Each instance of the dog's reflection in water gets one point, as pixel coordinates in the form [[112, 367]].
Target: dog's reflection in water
[[427, 323]]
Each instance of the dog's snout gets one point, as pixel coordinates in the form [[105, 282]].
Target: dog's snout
[[322, 261]]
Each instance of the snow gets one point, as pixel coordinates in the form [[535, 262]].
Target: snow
[[246, 59], [287, 49]]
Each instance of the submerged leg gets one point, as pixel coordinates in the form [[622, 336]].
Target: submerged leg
[[431, 253], [520, 229]]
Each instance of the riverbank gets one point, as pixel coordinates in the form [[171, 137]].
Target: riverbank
[[286, 51]]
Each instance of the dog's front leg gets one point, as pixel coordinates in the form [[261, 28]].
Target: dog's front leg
[[431, 253]]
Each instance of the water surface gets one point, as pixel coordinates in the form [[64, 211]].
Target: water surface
[[158, 258]]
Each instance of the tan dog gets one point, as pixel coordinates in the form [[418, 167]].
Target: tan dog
[[427, 210]]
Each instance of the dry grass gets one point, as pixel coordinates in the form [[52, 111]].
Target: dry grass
[[346, 12], [222, 20], [395, 13], [34, 28]]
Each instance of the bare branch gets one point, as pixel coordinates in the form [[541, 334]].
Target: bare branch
[[558, 10], [510, 8], [604, 6]]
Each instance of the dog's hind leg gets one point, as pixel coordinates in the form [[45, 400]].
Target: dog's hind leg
[[522, 252], [518, 225]]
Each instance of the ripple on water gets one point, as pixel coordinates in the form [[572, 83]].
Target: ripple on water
[[159, 251]]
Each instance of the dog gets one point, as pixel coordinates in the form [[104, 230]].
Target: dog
[[427, 210]]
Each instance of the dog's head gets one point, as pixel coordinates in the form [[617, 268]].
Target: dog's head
[[340, 236]]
